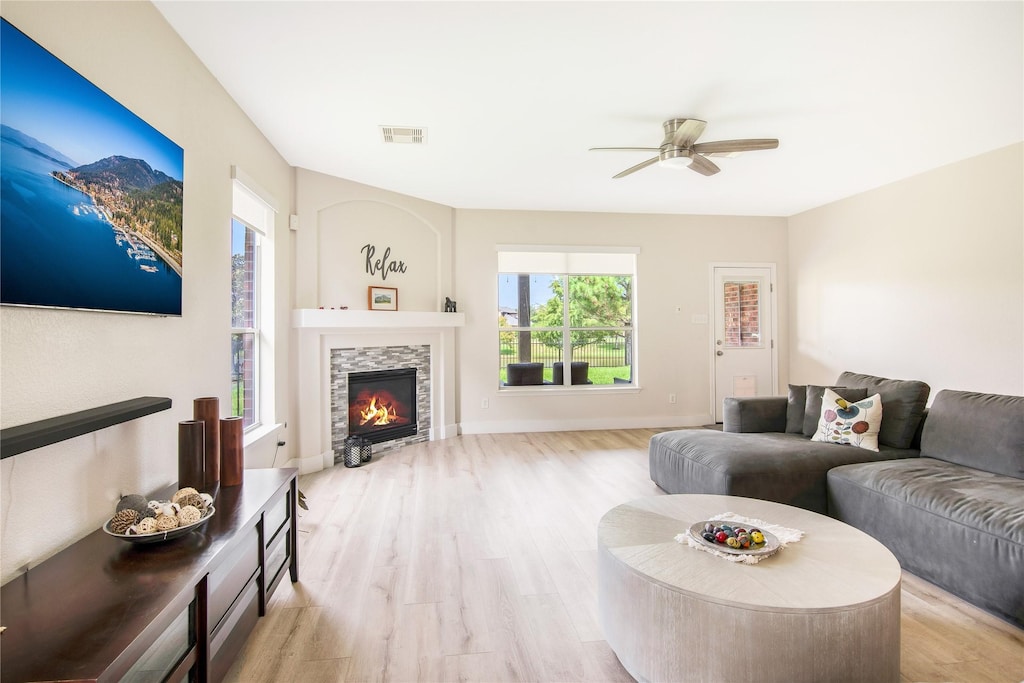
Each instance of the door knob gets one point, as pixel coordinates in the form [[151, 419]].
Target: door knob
[[719, 353]]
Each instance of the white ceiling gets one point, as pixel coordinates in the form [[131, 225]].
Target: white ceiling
[[513, 94]]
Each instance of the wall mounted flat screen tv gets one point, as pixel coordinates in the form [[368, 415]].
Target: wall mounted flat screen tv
[[90, 194]]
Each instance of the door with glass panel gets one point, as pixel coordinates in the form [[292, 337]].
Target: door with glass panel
[[744, 338]]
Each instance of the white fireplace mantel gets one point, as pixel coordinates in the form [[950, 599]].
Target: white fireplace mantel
[[320, 330], [319, 318]]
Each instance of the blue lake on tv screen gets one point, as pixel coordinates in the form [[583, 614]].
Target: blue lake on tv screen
[[58, 249]]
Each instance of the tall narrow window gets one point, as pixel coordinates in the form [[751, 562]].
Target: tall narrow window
[[252, 303], [245, 336]]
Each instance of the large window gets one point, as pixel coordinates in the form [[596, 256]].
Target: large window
[[252, 299], [570, 325]]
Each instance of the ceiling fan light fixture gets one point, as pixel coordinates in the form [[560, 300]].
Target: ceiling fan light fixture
[[674, 157], [675, 162]]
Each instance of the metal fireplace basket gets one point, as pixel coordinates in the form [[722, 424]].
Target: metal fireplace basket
[[357, 451]]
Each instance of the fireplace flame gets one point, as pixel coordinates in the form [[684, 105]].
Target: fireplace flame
[[377, 412]]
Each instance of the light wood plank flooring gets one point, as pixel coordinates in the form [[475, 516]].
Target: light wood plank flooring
[[474, 559]]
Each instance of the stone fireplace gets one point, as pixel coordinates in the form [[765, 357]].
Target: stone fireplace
[[334, 343], [381, 393]]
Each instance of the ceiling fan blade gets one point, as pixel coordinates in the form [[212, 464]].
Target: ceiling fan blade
[[634, 169], [688, 132], [624, 149], [735, 145], [703, 165]]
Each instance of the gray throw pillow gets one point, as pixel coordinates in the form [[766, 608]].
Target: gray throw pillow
[[903, 404], [795, 409], [812, 406]]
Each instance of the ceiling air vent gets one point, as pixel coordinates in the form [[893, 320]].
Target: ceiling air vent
[[410, 136]]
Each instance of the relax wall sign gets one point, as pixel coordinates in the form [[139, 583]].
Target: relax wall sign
[[383, 265]]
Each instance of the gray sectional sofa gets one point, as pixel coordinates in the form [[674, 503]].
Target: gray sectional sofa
[[944, 492], [955, 515], [765, 449]]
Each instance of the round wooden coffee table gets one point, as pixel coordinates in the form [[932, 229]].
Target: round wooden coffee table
[[826, 608]]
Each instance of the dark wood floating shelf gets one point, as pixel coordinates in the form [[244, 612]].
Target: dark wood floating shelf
[[15, 440]]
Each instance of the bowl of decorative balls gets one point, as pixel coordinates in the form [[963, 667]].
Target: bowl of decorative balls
[[138, 520], [734, 538]]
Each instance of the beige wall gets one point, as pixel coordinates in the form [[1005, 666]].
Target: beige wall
[[55, 362], [920, 279], [673, 352], [338, 217]]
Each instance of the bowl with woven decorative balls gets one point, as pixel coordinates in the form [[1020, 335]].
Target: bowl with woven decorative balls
[[139, 520]]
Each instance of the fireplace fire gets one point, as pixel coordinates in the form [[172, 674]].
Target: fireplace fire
[[382, 404]]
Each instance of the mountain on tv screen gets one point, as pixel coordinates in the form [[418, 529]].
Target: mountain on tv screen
[[90, 194]]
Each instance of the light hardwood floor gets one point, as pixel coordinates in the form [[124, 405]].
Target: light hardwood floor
[[474, 559]]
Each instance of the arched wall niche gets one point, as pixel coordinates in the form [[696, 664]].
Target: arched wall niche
[[363, 243]]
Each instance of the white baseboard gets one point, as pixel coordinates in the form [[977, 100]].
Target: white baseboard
[[313, 463], [450, 430], [444, 432], [585, 424]]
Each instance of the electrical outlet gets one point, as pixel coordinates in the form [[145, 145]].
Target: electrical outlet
[[671, 398], [485, 403]]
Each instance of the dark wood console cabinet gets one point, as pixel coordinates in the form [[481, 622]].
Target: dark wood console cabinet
[[107, 610]]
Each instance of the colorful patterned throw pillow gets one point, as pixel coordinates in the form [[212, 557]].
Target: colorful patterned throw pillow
[[845, 422]]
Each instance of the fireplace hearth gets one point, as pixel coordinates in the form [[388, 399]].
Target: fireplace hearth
[[382, 404]]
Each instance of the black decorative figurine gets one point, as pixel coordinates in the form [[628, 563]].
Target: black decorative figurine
[[449, 305]]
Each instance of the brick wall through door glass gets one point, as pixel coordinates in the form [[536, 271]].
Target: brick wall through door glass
[[742, 314]]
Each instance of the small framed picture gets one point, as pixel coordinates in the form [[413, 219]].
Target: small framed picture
[[382, 298]]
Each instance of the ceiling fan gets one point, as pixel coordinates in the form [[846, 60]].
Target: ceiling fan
[[681, 149]]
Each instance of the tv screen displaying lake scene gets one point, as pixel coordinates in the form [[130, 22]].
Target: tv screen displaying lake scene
[[90, 194]]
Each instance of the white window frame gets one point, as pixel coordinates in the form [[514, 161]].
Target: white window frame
[[564, 262], [256, 209], [254, 330]]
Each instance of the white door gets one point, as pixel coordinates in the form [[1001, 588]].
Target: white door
[[744, 335]]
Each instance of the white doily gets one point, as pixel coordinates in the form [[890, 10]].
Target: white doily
[[784, 534]]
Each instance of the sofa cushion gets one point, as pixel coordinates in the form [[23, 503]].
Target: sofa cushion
[[849, 423], [754, 414], [957, 527], [795, 404], [785, 468], [904, 402], [812, 404], [985, 431]]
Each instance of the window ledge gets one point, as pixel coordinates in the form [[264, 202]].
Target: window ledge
[[258, 433], [578, 390]]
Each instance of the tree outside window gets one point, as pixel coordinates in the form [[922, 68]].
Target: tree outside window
[[593, 325]]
